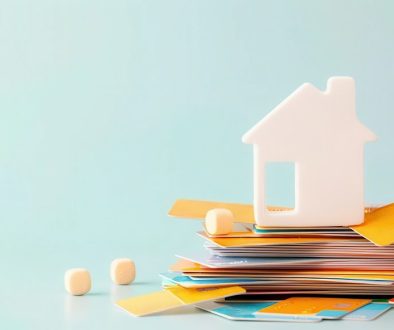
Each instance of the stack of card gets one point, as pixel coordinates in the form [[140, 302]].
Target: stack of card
[[290, 275], [280, 274], [284, 262], [287, 262]]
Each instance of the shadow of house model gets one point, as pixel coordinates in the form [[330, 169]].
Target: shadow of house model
[[320, 133]]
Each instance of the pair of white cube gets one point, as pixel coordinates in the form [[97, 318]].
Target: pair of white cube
[[78, 281]]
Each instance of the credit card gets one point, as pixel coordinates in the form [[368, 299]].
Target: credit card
[[368, 312], [174, 297], [326, 308], [246, 312]]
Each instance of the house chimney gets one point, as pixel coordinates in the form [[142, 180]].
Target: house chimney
[[342, 92], [343, 86]]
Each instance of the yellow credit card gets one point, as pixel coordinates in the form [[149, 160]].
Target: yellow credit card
[[182, 265], [330, 308], [197, 209], [174, 297], [257, 241], [378, 226]]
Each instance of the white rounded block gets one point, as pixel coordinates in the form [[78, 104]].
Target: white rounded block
[[77, 281], [219, 221], [320, 133], [122, 271]]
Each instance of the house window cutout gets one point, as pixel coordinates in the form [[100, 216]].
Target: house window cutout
[[279, 184]]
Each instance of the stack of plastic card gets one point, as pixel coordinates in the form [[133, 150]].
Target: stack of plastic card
[[290, 274]]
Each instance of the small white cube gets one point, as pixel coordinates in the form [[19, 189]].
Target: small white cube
[[122, 271], [77, 281], [219, 221]]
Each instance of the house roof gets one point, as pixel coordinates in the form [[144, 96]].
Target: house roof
[[311, 108]]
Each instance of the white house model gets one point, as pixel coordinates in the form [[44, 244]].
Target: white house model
[[319, 132]]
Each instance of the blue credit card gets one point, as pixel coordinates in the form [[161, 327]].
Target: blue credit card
[[368, 312], [186, 281], [246, 312], [297, 230]]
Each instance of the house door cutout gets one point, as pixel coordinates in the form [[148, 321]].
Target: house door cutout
[[279, 184]]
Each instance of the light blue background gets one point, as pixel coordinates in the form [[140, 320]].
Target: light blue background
[[111, 110]]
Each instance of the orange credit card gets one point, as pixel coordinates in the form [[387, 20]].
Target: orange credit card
[[325, 308]]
